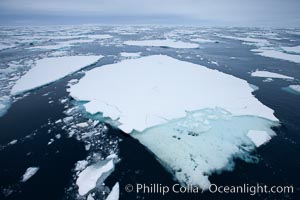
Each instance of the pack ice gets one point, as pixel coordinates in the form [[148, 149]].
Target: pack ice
[[48, 70], [163, 43], [194, 119]]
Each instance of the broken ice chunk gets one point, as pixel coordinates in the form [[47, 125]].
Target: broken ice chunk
[[31, 171]]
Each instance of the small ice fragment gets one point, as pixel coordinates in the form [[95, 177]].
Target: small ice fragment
[[267, 80], [296, 88], [58, 136], [31, 171], [67, 119], [80, 165], [51, 141], [82, 125], [58, 121], [90, 197], [112, 156], [13, 142]]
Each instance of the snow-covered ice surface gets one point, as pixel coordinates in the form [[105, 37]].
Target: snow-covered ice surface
[[294, 89], [88, 178], [162, 109], [130, 55], [48, 70], [30, 172], [295, 49], [162, 92], [258, 137], [266, 52], [163, 43], [266, 74]]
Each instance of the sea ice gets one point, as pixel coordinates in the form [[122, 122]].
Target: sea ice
[[100, 37], [266, 74], [295, 49], [295, 89], [271, 53], [249, 40], [200, 115], [115, 192], [6, 46], [130, 55], [258, 137], [87, 179], [155, 89], [48, 70], [201, 40], [204, 141], [63, 44], [163, 43], [31, 171]]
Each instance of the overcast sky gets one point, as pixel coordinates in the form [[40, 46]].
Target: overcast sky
[[278, 13]]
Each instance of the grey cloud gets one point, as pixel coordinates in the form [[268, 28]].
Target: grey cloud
[[229, 11]]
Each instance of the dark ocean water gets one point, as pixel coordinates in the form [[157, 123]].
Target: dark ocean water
[[30, 118]]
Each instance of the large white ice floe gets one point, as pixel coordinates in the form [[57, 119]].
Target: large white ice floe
[[259, 42], [266, 74], [30, 172], [88, 178], [48, 70], [178, 108], [271, 53], [294, 49], [163, 43], [148, 91]]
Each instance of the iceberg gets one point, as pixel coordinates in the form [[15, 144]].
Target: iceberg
[[178, 108], [48, 70], [266, 74], [30, 172], [163, 43]]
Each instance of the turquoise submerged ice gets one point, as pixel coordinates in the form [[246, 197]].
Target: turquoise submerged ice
[[203, 142]]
